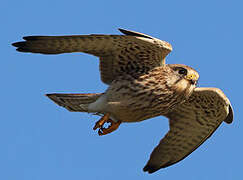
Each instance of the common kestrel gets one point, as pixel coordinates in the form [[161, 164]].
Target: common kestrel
[[141, 86]]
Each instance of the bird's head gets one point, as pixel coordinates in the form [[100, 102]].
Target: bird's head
[[184, 72], [184, 78]]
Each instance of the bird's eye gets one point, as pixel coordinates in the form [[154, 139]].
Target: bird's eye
[[182, 71]]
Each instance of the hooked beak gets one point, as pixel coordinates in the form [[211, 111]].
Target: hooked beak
[[192, 78]]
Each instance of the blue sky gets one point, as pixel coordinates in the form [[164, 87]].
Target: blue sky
[[41, 141]]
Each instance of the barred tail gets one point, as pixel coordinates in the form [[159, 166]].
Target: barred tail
[[74, 102]]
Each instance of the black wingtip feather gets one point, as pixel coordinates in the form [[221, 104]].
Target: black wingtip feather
[[133, 33], [29, 38], [32, 38], [18, 44], [230, 117], [21, 46], [150, 169], [22, 50]]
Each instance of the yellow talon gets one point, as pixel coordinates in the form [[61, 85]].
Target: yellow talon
[[105, 119]]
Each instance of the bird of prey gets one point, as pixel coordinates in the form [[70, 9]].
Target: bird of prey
[[141, 86]]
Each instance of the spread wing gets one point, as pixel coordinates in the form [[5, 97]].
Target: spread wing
[[118, 54], [190, 125]]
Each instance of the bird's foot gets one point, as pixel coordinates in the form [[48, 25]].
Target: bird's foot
[[100, 124]]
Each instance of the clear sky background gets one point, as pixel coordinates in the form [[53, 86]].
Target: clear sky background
[[41, 141]]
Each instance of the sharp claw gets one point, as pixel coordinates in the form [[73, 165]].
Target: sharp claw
[[97, 125], [101, 122], [102, 130], [113, 126]]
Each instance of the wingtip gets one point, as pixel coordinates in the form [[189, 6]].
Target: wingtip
[[21, 46], [134, 33], [150, 169], [29, 38], [122, 30], [22, 43], [230, 117], [33, 38], [18, 44], [47, 95], [14, 44]]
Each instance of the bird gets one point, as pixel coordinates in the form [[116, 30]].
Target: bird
[[141, 86]]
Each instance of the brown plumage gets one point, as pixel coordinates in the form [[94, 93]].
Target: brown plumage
[[141, 86]]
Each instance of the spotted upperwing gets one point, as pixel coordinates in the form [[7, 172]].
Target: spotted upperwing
[[191, 124], [118, 53]]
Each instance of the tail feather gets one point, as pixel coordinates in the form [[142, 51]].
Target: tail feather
[[74, 102]]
